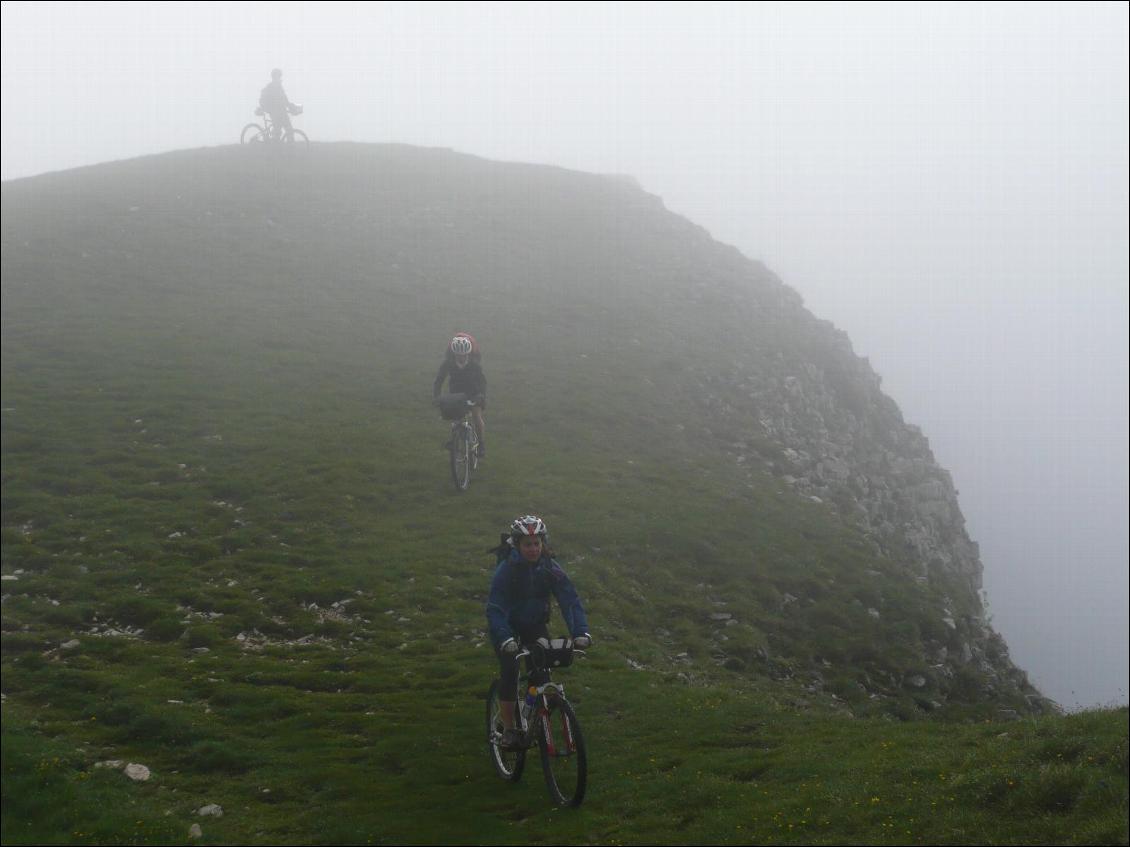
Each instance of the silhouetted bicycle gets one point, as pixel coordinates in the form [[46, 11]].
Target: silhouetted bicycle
[[543, 717], [269, 132]]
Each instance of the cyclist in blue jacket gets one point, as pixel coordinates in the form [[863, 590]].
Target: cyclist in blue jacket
[[518, 608]]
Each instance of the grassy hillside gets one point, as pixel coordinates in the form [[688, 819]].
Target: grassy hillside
[[232, 552]]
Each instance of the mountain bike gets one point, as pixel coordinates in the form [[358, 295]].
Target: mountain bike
[[464, 442], [269, 132], [543, 717]]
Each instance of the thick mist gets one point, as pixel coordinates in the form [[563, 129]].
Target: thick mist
[[945, 182]]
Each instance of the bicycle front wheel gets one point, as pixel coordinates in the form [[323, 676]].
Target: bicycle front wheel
[[563, 757], [461, 459], [252, 134], [298, 138], [508, 764]]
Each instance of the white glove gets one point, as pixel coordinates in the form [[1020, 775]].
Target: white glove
[[582, 641], [509, 647]]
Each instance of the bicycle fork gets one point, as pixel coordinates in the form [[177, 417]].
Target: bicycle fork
[[569, 746]]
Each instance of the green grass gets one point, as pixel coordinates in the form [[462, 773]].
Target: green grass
[[670, 763], [222, 478]]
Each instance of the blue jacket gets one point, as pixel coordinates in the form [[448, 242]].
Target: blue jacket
[[519, 598]]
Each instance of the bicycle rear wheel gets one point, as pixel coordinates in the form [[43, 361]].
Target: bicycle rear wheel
[[298, 138], [461, 459], [508, 764], [563, 757], [252, 134]]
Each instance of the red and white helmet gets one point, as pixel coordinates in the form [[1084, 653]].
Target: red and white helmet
[[462, 345], [528, 526]]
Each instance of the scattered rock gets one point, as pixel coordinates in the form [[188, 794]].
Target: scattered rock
[[194, 831], [213, 810], [138, 773]]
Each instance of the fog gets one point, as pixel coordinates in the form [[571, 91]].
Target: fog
[[945, 182]]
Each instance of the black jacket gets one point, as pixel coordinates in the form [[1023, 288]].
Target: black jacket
[[272, 98], [467, 380]]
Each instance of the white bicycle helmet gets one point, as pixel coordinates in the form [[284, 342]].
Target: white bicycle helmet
[[528, 526], [461, 345]]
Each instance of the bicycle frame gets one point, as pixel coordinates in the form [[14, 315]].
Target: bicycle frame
[[461, 425], [270, 132], [270, 128], [547, 694]]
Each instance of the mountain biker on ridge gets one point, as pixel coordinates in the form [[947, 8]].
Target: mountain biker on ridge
[[462, 364], [518, 606], [273, 101]]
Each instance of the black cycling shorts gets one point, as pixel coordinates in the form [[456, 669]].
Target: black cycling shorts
[[508, 666]]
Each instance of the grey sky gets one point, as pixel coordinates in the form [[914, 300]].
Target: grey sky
[[946, 182]]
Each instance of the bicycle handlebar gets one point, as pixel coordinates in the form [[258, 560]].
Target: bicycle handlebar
[[573, 652]]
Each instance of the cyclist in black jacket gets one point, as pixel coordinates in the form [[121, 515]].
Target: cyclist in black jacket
[[273, 101], [462, 367]]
